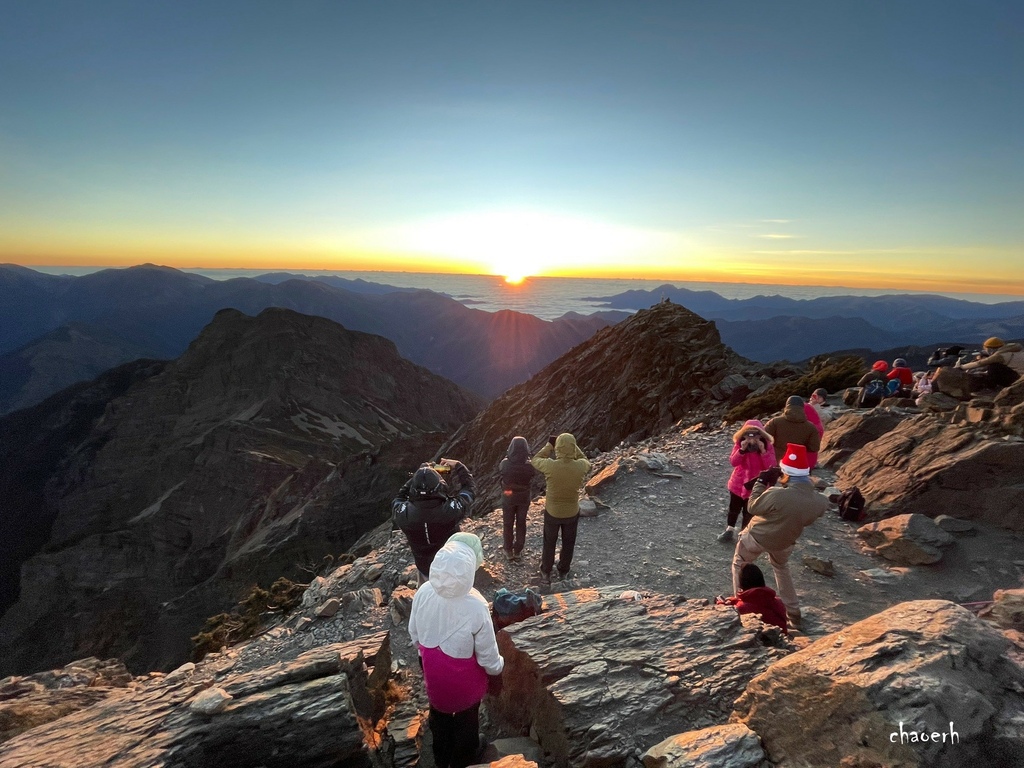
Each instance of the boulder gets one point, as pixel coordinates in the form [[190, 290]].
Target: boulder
[[733, 388], [927, 466], [605, 476], [654, 462], [1007, 609], [601, 678], [328, 608], [588, 508], [309, 711], [953, 382], [721, 746], [951, 524], [1010, 396], [852, 431], [936, 402], [854, 697], [906, 539], [816, 564]]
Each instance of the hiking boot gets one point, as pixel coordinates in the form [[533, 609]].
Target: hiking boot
[[545, 579], [510, 555], [517, 555], [562, 575], [795, 619], [726, 536]]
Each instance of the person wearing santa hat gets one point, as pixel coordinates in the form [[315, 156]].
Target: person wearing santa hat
[[783, 502]]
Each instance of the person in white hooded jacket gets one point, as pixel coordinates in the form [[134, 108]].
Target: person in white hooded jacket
[[451, 626]]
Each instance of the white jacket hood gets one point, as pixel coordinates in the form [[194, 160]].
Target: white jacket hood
[[453, 570]]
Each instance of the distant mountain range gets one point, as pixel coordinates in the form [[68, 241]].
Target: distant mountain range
[[150, 311], [770, 328]]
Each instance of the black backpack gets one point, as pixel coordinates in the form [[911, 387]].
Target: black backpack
[[851, 504], [511, 607]]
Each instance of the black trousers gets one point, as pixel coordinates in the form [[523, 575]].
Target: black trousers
[[567, 526], [456, 737], [514, 520], [994, 376], [738, 506]]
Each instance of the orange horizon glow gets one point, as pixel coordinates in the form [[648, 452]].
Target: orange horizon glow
[[896, 282]]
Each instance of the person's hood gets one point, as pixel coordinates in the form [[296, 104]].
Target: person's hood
[[453, 570], [565, 446], [757, 594], [794, 412], [518, 450], [472, 541], [753, 425]]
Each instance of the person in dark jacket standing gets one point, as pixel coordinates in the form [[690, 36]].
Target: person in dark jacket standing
[[516, 473], [430, 506]]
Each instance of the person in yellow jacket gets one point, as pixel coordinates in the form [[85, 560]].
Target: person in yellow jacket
[[564, 475]]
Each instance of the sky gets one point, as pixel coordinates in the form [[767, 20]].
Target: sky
[[841, 143]]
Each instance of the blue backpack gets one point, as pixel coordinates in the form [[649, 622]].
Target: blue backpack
[[872, 393]]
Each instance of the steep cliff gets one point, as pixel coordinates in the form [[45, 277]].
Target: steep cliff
[[271, 442]]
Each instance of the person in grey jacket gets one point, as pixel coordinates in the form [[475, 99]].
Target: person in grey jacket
[[779, 515]]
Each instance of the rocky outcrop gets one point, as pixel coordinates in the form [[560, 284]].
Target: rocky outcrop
[[923, 683], [924, 464], [323, 708], [599, 682], [906, 539], [271, 443], [603, 396], [721, 746], [26, 702]]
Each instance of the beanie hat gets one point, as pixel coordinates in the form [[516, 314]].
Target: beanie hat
[[472, 541], [994, 343], [427, 482], [794, 461], [794, 401], [899, 362], [880, 365]]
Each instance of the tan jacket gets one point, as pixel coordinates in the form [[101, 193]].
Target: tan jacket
[[564, 473], [1011, 354], [781, 513]]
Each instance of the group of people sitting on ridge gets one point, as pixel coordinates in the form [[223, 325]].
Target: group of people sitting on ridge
[[998, 365]]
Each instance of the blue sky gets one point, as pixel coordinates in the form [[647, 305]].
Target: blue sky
[[870, 142]]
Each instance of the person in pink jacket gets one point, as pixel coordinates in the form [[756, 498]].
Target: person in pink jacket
[[752, 453], [450, 624]]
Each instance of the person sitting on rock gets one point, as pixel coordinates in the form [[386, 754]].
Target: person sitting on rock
[[922, 383], [752, 453], [754, 597], [873, 385], [779, 515], [902, 374], [430, 506], [944, 357], [819, 401], [450, 625], [516, 473], [999, 365], [793, 426], [564, 474]]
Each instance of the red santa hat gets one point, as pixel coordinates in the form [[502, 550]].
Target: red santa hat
[[794, 461]]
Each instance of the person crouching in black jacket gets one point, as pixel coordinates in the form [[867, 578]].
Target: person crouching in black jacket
[[516, 473], [430, 506]]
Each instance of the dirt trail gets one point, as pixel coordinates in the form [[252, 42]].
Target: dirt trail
[[660, 535]]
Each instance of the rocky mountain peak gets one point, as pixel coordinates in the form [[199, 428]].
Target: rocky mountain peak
[[271, 442], [627, 382]]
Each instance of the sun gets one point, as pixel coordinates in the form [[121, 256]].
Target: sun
[[515, 278]]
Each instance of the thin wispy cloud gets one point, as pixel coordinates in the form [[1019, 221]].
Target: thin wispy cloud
[[777, 236]]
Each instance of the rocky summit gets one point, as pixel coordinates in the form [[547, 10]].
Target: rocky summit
[[271, 442], [626, 383]]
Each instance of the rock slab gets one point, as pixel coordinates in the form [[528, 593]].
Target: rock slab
[[906, 539], [722, 746], [599, 682], [929, 665]]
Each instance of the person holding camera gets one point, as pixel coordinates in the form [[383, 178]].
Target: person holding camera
[[430, 506], [751, 454], [779, 514], [564, 475]]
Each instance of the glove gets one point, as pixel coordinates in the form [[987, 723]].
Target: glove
[[495, 684], [770, 476]]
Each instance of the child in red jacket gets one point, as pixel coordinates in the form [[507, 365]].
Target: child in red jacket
[[755, 597], [752, 453]]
